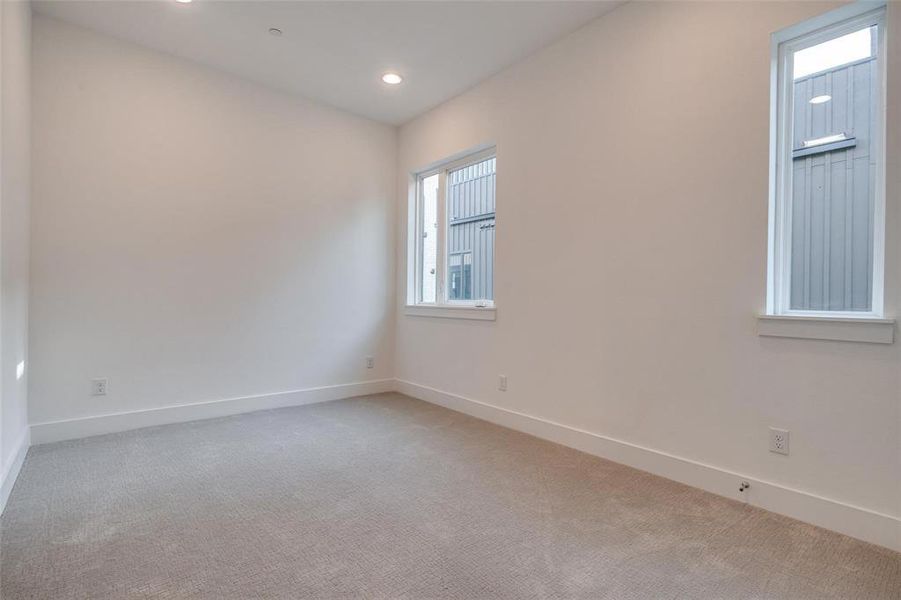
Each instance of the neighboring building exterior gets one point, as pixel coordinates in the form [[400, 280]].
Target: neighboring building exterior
[[833, 199], [470, 238]]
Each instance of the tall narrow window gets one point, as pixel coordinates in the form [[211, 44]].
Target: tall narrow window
[[827, 221], [453, 253]]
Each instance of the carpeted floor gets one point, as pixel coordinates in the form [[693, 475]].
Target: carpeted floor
[[389, 497]]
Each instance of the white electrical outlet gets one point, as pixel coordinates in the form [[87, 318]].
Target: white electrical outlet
[[99, 386], [779, 440], [502, 383], [370, 362]]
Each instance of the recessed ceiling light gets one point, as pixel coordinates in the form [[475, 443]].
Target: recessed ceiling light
[[820, 99], [392, 78], [183, 1], [275, 31]]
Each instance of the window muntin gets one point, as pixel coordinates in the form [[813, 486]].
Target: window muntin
[[461, 226], [828, 208]]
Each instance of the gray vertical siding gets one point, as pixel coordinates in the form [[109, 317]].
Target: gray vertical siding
[[833, 195], [471, 205]]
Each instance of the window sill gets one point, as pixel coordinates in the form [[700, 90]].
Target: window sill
[[445, 311], [845, 329]]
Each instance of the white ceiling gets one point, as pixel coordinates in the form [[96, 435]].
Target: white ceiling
[[336, 52]]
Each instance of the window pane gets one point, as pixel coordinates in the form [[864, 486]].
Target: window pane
[[834, 114], [470, 236], [429, 242]]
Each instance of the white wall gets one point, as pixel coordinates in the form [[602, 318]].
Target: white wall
[[197, 237], [15, 50], [631, 256]]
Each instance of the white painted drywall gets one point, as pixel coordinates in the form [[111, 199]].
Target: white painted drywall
[[198, 237], [15, 173], [631, 255], [336, 52]]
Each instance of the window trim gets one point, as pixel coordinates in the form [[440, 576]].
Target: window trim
[[450, 311], [844, 329], [845, 19], [442, 307]]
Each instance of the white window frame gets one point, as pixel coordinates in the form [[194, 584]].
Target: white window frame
[[443, 307], [844, 20]]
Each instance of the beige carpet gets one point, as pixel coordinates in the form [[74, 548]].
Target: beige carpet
[[389, 497]]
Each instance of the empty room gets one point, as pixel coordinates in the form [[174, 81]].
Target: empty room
[[471, 300]]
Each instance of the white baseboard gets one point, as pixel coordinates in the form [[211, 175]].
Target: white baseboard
[[12, 467], [55, 431], [861, 523]]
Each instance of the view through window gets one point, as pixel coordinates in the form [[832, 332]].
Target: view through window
[[454, 260]]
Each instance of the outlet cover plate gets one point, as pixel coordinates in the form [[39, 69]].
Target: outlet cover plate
[[99, 386], [779, 439]]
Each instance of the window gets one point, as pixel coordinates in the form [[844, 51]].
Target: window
[[453, 241], [827, 221]]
